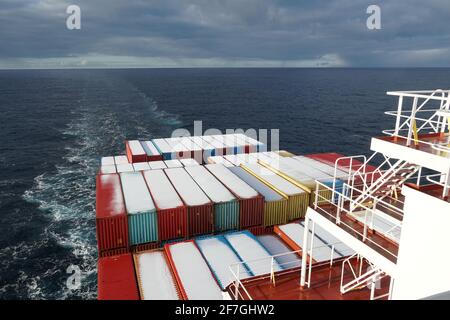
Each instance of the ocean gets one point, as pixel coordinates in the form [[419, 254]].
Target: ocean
[[56, 124]]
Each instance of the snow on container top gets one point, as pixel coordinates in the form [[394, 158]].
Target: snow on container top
[[268, 193], [271, 154], [136, 147], [150, 148], [274, 180], [285, 166], [141, 166], [173, 163], [220, 256], [306, 168], [210, 185], [255, 157], [249, 140], [176, 144], [189, 162], [125, 167], [189, 144], [195, 275], [329, 170], [340, 248], [108, 169], [154, 277], [214, 142], [321, 251], [162, 190], [109, 200], [189, 191], [238, 159], [277, 247], [162, 145], [136, 194], [121, 160], [116, 278], [251, 252], [221, 160], [199, 141], [157, 165], [232, 181], [107, 161]]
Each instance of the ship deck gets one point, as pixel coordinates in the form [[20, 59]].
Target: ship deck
[[424, 143], [325, 285]]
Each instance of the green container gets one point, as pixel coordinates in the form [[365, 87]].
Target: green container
[[226, 216], [275, 212], [143, 227]]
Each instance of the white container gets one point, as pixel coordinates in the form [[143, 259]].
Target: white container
[[107, 161], [141, 166], [125, 167], [107, 169], [120, 160], [157, 165], [173, 163], [220, 159], [189, 162]]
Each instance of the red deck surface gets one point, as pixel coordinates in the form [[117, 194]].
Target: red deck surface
[[116, 278], [325, 285], [424, 139]]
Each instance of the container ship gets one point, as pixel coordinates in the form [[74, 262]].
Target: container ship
[[221, 217]]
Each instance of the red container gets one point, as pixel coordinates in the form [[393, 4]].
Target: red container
[[117, 279], [251, 211], [145, 247], [135, 151], [200, 219], [172, 214], [111, 217], [112, 252]]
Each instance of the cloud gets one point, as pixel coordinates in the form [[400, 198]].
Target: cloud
[[183, 33]]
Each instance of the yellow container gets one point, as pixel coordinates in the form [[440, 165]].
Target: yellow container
[[275, 212]]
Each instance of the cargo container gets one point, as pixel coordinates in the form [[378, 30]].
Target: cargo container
[[173, 163], [220, 148], [121, 160], [116, 278], [237, 159], [221, 160], [292, 234], [142, 219], [193, 276], [257, 146], [124, 167], [255, 257], [107, 161], [196, 152], [303, 177], [286, 154], [226, 206], [154, 277], [275, 209], [141, 166], [152, 152], [208, 149], [239, 145], [276, 247], [179, 150], [219, 255], [111, 217], [172, 214], [135, 151], [298, 199], [241, 140], [157, 165], [113, 252], [199, 207], [189, 162], [251, 204], [107, 169], [163, 148]]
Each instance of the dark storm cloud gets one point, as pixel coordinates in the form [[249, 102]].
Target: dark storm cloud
[[224, 33]]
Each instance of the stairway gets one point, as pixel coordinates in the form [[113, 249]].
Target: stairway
[[388, 183]]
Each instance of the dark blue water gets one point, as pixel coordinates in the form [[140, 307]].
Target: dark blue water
[[55, 125]]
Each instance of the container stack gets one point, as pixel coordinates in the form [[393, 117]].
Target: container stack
[[142, 218], [199, 206], [226, 206], [251, 204], [135, 151], [172, 214], [151, 151]]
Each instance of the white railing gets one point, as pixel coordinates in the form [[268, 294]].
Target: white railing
[[369, 213], [409, 123]]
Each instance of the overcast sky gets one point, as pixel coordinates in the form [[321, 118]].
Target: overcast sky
[[223, 33]]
